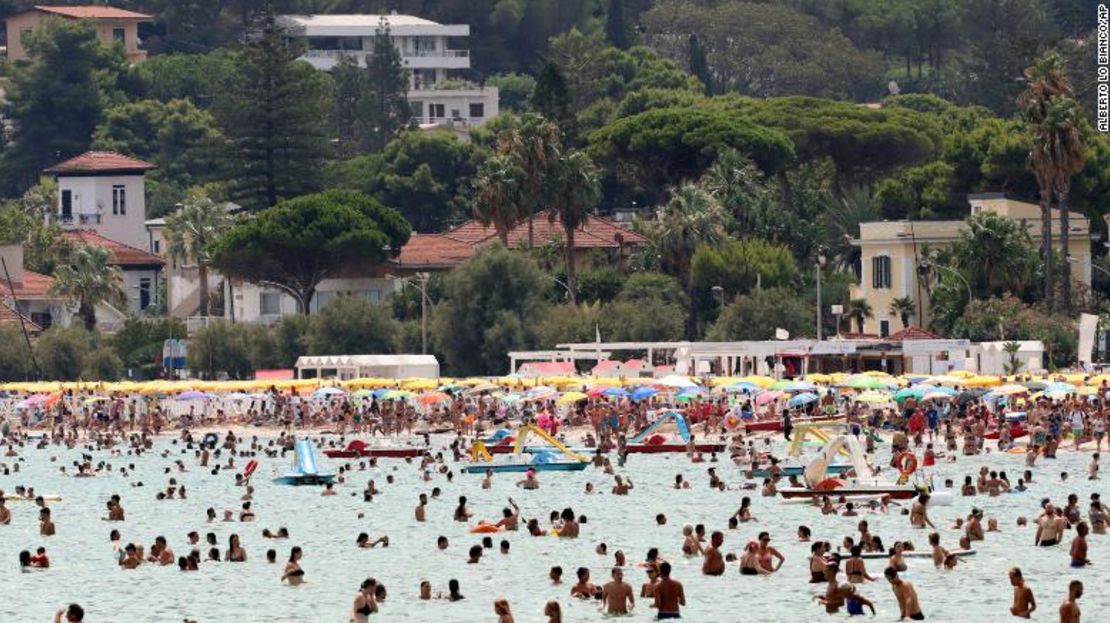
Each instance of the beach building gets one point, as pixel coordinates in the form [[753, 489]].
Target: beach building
[[113, 25], [441, 86], [347, 367], [892, 252]]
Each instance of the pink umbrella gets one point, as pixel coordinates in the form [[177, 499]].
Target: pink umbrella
[[36, 399], [767, 397], [544, 421]]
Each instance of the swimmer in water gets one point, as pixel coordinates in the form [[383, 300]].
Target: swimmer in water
[[616, 596], [365, 603], [293, 572], [904, 592]]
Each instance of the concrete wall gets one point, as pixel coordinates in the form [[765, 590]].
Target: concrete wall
[[92, 198], [248, 297], [33, 21]]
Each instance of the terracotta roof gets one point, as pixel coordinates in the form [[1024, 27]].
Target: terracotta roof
[[10, 317], [122, 254], [99, 162], [595, 233], [913, 333], [457, 245], [433, 250], [33, 286], [93, 12]]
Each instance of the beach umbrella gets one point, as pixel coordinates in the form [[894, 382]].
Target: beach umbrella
[[540, 392], [1058, 387], [237, 396], [36, 399], [380, 393], [936, 395], [1009, 390], [432, 398], [779, 385], [192, 394], [643, 393], [982, 381], [800, 386], [968, 395], [420, 384], [861, 381], [767, 397], [95, 399], [1036, 386], [363, 393], [743, 387], [615, 392], [327, 392], [571, 398], [906, 392], [511, 398], [397, 394], [801, 400]]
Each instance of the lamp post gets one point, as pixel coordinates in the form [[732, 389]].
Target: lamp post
[[838, 311], [422, 285], [719, 292], [821, 260]]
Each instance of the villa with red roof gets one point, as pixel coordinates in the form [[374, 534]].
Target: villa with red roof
[[27, 297], [436, 252], [112, 25]]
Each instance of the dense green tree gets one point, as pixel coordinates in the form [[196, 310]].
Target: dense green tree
[[55, 102], [550, 96], [300, 242], [926, 191], [87, 280], [600, 283], [475, 332], [197, 77], [514, 90], [738, 266], [15, 361], [997, 255], [764, 49], [384, 106], [63, 354], [190, 234], [568, 323], [274, 110], [664, 147], [138, 344], [757, 315], [651, 320], [699, 64], [616, 29], [997, 319], [428, 176], [841, 224], [220, 348], [644, 286], [182, 139], [498, 197], [351, 324], [348, 84], [24, 221]]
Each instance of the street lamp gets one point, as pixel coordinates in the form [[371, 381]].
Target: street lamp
[[821, 261], [719, 292], [422, 285]]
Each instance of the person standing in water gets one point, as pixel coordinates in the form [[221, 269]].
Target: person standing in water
[[1024, 603], [669, 594], [1069, 610], [904, 592], [617, 594], [293, 572]]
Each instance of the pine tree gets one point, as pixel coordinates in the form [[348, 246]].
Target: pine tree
[[384, 105], [699, 64], [275, 112], [349, 81], [616, 31], [551, 98]]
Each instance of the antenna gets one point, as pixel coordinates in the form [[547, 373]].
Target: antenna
[[22, 324]]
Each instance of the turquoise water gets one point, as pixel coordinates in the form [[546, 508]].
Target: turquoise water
[[84, 571]]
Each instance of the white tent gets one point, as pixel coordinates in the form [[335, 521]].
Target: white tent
[[346, 367]]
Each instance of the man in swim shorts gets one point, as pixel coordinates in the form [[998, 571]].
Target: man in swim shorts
[[904, 592], [669, 594], [617, 594]]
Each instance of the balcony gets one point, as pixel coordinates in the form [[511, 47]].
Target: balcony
[[78, 220], [413, 59]]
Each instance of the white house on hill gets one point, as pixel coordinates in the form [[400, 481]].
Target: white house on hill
[[436, 97]]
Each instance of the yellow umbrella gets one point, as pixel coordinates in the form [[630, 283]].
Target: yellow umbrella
[[762, 381], [983, 381], [1009, 390], [570, 398], [962, 374], [874, 397], [420, 384]]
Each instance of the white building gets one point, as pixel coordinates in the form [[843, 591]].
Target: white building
[[104, 192], [436, 95], [347, 367]]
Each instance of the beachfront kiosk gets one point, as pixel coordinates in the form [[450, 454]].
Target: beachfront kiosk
[[347, 367]]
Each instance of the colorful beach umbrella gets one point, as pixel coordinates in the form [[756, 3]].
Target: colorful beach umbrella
[[802, 400], [643, 393]]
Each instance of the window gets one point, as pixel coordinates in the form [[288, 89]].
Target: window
[[424, 78], [119, 200], [67, 205], [144, 292], [417, 108], [269, 303], [423, 45], [157, 247], [477, 111], [118, 34], [24, 36], [436, 111], [880, 272], [884, 328]]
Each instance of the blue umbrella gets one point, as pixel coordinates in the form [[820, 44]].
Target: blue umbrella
[[743, 387], [616, 392], [643, 393], [802, 399]]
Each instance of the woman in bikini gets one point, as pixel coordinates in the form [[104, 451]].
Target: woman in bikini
[[896, 559], [293, 572], [854, 567], [817, 563], [235, 551], [365, 603]]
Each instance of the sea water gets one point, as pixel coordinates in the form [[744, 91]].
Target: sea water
[[84, 571]]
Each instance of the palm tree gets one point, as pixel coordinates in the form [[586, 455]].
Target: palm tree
[[499, 195], [903, 308], [1046, 78], [533, 145], [88, 281], [859, 310], [1068, 155], [691, 218], [842, 221], [575, 188], [1013, 364], [190, 232]]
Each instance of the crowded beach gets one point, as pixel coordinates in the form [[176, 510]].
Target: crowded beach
[[951, 498]]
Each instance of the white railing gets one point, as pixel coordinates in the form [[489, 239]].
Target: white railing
[[440, 53], [196, 323], [408, 54]]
